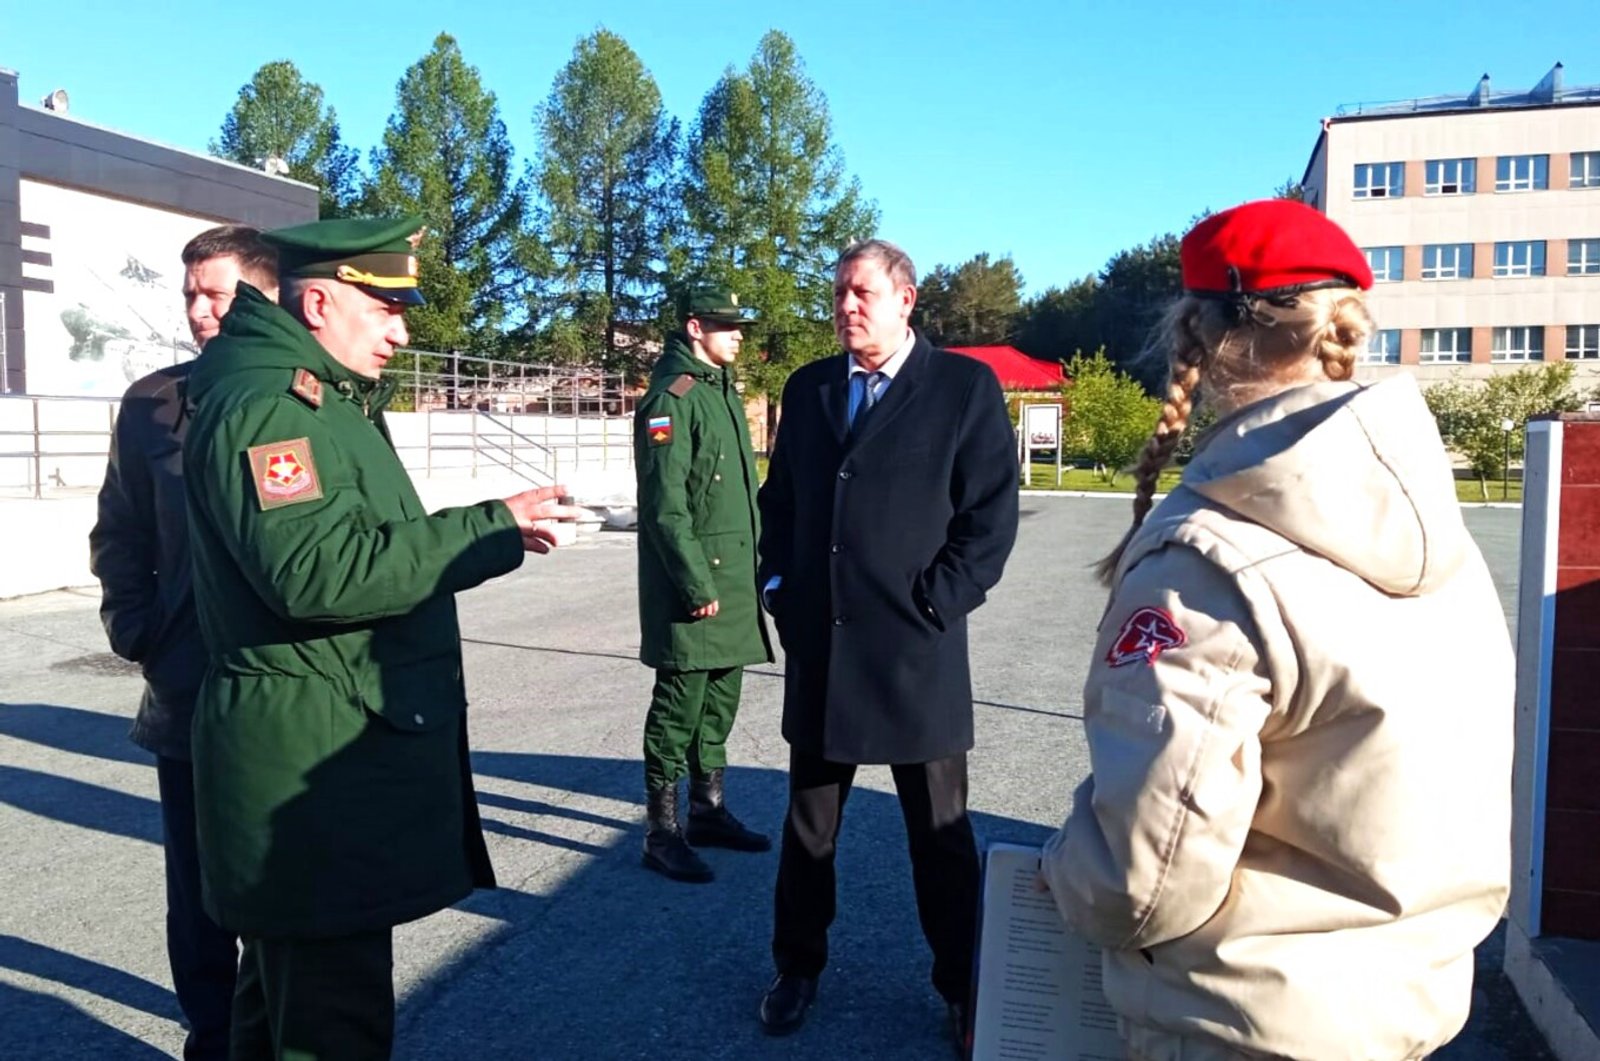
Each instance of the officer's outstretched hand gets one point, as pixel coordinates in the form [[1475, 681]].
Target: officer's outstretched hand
[[535, 511]]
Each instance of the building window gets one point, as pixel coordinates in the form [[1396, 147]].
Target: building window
[[1583, 257], [1446, 344], [1451, 176], [1447, 261], [1583, 342], [1585, 169], [1522, 173], [1383, 348], [1380, 180], [1517, 344], [1525, 258], [1388, 263]]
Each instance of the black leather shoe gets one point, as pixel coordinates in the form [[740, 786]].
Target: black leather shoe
[[783, 1007], [711, 824]]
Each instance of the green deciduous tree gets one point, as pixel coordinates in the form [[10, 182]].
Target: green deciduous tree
[[280, 115], [1473, 416], [1109, 416], [770, 207], [975, 304], [446, 156], [606, 172]]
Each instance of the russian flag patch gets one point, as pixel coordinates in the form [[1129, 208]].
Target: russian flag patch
[[659, 430]]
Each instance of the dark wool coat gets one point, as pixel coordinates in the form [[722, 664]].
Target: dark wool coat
[[886, 538]]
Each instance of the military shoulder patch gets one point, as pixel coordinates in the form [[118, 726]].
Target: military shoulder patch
[[658, 429], [681, 386], [1147, 633], [307, 388], [284, 473]]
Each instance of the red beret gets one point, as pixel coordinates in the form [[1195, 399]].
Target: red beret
[[1266, 246]]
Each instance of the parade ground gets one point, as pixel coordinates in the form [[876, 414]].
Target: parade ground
[[581, 953]]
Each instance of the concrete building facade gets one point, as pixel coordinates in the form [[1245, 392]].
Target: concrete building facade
[[1480, 216], [91, 225]]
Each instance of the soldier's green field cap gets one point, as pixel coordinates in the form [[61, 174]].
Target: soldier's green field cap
[[713, 302], [378, 255]]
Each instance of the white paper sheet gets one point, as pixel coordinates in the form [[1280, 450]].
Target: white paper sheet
[[1039, 994]]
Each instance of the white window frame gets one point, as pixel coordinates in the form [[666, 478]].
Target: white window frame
[[1520, 173], [1383, 347], [1520, 342], [1583, 342], [1459, 348], [1585, 171], [1455, 252], [1450, 176], [1392, 269], [1583, 257], [1392, 186], [1519, 258]]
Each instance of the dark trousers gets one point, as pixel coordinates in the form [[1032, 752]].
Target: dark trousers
[[315, 999], [686, 728], [944, 864], [204, 958]]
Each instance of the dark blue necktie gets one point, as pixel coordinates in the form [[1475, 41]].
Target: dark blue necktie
[[863, 395]]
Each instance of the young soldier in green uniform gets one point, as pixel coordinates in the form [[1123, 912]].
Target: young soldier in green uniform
[[698, 617], [334, 797]]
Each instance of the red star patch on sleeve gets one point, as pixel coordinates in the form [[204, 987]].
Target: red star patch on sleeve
[[1147, 633], [283, 473]]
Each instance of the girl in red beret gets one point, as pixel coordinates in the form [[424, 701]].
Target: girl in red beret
[[1297, 827]]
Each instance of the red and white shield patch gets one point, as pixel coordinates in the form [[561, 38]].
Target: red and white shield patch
[[1147, 633], [283, 473]]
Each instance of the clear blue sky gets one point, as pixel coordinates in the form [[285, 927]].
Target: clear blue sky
[[1059, 133]]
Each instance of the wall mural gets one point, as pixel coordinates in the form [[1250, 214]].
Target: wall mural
[[116, 311]]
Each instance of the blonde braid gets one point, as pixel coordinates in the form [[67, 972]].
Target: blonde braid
[[1183, 376], [1343, 337]]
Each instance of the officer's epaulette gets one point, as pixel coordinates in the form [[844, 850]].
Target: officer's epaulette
[[681, 386], [307, 387]]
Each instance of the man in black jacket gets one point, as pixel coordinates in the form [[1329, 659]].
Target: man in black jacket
[[139, 550], [888, 513]]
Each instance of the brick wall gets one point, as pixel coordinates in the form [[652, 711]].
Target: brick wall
[[1571, 881]]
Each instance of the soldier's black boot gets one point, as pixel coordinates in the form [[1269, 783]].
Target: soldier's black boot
[[711, 824], [664, 848]]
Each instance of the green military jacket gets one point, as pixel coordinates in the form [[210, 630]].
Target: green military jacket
[[333, 793], [697, 519]]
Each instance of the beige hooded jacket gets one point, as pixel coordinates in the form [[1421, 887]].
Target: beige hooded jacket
[[1299, 718]]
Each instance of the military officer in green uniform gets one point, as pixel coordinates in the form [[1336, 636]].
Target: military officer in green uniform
[[334, 797], [698, 615]]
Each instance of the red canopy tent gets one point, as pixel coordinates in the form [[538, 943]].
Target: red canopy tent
[[1015, 369]]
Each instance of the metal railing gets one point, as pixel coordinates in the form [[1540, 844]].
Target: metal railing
[[570, 416], [42, 443], [434, 381]]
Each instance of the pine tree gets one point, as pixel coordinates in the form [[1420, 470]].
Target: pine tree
[[446, 156], [280, 116]]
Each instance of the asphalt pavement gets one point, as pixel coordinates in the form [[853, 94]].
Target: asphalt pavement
[[580, 953]]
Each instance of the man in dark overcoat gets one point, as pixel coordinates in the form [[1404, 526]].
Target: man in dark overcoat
[[888, 513], [139, 550]]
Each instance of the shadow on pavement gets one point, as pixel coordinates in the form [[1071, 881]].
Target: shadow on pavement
[[79, 803], [72, 729], [41, 1026], [69, 970], [617, 962]]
